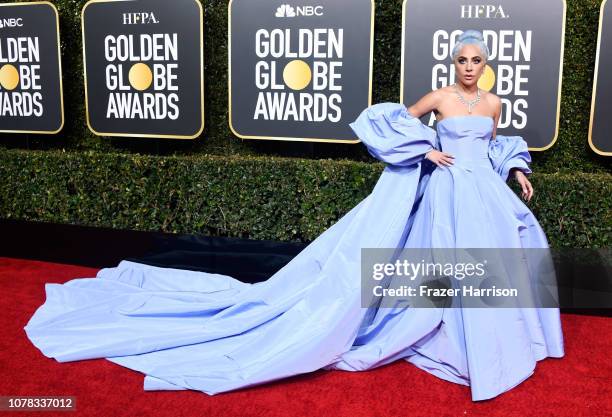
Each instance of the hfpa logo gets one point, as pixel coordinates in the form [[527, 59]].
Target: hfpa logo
[[483, 11], [286, 10]]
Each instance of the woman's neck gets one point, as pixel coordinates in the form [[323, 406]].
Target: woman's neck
[[467, 89]]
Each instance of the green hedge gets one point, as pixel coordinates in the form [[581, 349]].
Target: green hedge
[[251, 197], [569, 154]]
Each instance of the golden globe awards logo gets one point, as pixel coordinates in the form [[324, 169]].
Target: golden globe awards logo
[[30, 70], [20, 77], [524, 68], [141, 76], [289, 100], [299, 72], [143, 68]]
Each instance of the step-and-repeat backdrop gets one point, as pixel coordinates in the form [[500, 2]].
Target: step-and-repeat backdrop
[[525, 41], [600, 124], [299, 72], [143, 63], [296, 72], [30, 69]]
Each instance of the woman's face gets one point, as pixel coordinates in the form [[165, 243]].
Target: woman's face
[[469, 65]]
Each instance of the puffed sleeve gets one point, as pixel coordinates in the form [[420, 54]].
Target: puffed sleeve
[[507, 152], [393, 135]]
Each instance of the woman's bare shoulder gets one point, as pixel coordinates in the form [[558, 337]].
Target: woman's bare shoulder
[[493, 102], [429, 102], [444, 91], [492, 98]]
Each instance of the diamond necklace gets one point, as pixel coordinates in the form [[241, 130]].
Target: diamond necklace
[[470, 103]]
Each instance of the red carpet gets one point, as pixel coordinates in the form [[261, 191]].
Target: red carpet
[[580, 384]]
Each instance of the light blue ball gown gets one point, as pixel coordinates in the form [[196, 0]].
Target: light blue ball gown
[[212, 333]]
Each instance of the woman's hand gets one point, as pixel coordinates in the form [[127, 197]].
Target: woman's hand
[[440, 158], [525, 184]]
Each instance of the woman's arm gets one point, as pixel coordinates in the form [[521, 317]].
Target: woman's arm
[[392, 135], [496, 104], [526, 187], [521, 178], [424, 105]]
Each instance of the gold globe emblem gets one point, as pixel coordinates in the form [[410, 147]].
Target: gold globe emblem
[[140, 76], [297, 74], [487, 79], [9, 77]]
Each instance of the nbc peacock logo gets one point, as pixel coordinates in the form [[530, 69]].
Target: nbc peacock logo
[[285, 10]]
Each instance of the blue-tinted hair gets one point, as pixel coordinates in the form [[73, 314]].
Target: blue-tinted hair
[[473, 37]]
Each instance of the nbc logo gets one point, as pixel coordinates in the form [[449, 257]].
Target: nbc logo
[[285, 10], [11, 22]]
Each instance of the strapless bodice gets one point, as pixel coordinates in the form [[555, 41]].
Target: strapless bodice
[[467, 138]]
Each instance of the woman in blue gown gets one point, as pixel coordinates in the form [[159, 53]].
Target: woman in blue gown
[[440, 188]]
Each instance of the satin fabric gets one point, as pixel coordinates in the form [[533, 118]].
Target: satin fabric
[[212, 333]]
